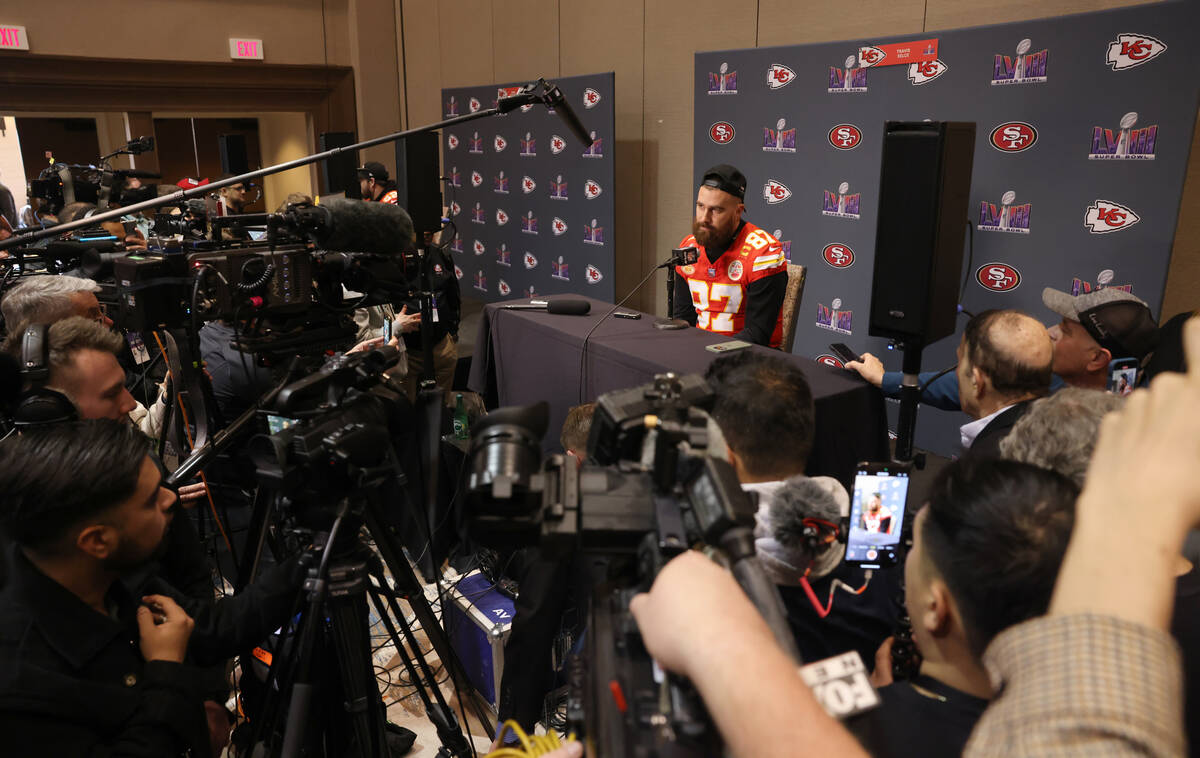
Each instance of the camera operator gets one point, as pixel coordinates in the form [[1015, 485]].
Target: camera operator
[[764, 408], [88, 664], [986, 550]]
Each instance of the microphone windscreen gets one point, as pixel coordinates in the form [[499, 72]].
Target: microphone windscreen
[[569, 307], [361, 227]]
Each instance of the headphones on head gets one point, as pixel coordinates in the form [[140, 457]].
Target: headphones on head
[[39, 404]]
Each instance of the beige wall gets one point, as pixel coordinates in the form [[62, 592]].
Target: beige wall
[[405, 51]]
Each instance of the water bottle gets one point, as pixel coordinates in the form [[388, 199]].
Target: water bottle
[[461, 426]]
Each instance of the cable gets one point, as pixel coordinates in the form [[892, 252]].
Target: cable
[[531, 745], [816, 604], [588, 336]]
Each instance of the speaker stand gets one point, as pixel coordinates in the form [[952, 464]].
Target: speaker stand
[[910, 398]]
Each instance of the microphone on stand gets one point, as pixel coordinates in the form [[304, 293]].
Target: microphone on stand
[[680, 256]]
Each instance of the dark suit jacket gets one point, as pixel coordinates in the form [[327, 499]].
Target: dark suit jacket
[[987, 444]]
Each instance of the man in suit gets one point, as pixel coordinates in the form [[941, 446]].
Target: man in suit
[[1004, 363]]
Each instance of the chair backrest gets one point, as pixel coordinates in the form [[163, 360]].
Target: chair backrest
[[791, 305]]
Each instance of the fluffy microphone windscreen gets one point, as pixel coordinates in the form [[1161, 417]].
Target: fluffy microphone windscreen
[[569, 307], [361, 227]]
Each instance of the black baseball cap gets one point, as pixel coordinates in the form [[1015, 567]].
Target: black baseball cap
[[727, 179], [373, 169], [1119, 321]]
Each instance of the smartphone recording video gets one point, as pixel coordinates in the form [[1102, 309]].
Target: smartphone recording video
[[877, 515]]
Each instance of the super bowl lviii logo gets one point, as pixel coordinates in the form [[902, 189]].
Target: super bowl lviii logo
[[503, 255], [500, 183], [849, 78], [775, 191], [1005, 217], [451, 107], [779, 139], [477, 214], [480, 281], [529, 146], [1105, 217], [724, 82], [1103, 280], [560, 270], [1125, 143], [785, 245], [779, 76], [926, 71], [597, 148], [593, 233], [1132, 50], [833, 318], [529, 223], [998, 277], [841, 204], [475, 144], [1023, 68], [558, 188]]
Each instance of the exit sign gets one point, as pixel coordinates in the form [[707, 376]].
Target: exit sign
[[13, 38], [246, 49]]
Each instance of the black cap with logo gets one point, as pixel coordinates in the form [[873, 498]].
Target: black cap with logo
[[1119, 321], [373, 169], [727, 179]]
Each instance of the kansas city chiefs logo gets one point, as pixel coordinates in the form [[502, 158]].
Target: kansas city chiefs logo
[[476, 178], [530, 260], [560, 226], [452, 142], [458, 273], [1013, 137], [830, 360], [501, 217], [592, 189], [845, 136], [455, 209], [557, 144], [779, 75], [475, 104], [721, 132], [503, 288], [1130, 50], [592, 274], [926, 71], [1104, 216], [528, 185], [998, 277], [870, 56], [500, 143], [591, 98], [838, 255], [775, 192], [478, 248]]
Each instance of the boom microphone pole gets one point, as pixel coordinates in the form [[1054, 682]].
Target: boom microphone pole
[[540, 91]]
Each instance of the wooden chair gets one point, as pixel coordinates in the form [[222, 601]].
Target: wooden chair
[[791, 305]]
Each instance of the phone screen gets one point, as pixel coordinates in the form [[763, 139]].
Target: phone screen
[[386, 331], [1122, 376], [877, 515]]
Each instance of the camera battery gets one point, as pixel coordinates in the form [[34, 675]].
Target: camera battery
[[477, 622]]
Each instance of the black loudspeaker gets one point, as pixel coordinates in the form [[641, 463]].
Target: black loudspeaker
[[339, 174], [924, 187], [233, 153], [418, 187]]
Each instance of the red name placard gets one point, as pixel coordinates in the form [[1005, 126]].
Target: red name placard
[[898, 54], [13, 38]]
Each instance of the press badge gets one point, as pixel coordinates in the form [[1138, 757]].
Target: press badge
[[137, 347]]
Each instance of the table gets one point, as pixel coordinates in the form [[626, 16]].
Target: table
[[524, 356]]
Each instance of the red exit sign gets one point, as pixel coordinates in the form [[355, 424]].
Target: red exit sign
[[246, 49], [13, 38]]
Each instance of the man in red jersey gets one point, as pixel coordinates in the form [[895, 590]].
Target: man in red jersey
[[737, 286]]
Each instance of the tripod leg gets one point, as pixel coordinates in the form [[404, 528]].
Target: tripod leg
[[352, 643]]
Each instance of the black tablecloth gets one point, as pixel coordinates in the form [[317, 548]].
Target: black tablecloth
[[522, 357]]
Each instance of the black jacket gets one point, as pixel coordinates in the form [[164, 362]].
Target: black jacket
[[73, 681], [987, 444]]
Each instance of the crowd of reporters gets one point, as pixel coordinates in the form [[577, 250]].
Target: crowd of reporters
[[1052, 604]]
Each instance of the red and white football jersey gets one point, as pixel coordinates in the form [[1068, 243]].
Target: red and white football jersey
[[719, 290]]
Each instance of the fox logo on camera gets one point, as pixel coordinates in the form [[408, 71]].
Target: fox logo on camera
[[779, 76], [775, 191], [1013, 137], [1105, 217], [998, 277], [1132, 50]]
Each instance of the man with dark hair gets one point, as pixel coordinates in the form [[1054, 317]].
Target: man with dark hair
[[1004, 361], [764, 408], [575, 431], [373, 183], [87, 665], [737, 286], [985, 556]]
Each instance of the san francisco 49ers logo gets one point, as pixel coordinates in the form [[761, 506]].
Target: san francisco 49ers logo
[[838, 255], [1013, 137], [998, 277], [845, 136], [779, 75], [721, 132], [830, 360]]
